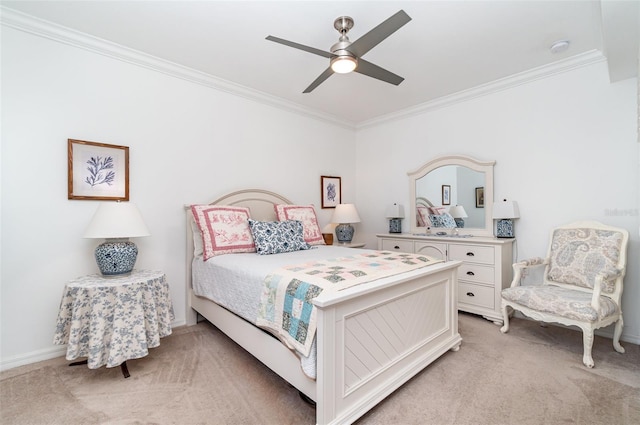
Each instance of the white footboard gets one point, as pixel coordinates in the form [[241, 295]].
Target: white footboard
[[371, 342], [371, 338]]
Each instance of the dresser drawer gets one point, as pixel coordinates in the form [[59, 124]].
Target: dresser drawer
[[481, 296], [432, 249], [400, 245], [476, 273], [472, 253]]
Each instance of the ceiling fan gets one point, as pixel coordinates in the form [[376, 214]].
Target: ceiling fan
[[346, 56]]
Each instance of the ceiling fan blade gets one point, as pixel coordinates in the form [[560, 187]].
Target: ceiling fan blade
[[326, 74], [371, 70], [378, 34], [300, 46]]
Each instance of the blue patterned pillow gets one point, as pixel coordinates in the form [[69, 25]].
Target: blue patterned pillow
[[444, 220], [275, 237]]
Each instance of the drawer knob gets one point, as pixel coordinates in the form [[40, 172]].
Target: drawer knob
[[470, 294], [396, 247], [470, 273], [470, 254]]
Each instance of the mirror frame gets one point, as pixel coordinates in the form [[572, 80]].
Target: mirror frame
[[485, 167]]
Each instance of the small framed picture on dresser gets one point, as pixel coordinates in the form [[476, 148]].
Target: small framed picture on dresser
[[330, 191]]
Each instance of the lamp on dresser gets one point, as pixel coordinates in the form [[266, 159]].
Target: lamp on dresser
[[345, 215], [395, 214], [505, 212], [116, 222], [459, 214]]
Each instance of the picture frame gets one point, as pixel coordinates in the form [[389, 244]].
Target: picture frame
[[480, 197], [446, 194], [330, 191], [97, 171]]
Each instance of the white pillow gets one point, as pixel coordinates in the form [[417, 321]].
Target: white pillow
[[197, 237]]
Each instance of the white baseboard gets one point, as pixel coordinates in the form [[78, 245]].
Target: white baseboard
[[33, 357], [48, 353]]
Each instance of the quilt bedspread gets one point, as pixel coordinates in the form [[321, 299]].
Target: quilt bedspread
[[286, 307]]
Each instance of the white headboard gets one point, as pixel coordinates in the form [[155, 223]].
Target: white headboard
[[423, 201], [260, 202]]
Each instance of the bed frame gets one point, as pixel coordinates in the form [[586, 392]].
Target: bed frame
[[371, 338]]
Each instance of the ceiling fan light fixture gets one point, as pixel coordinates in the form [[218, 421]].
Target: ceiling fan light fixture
[[343, 64]]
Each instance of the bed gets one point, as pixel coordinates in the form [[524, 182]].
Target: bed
[[351, 374]]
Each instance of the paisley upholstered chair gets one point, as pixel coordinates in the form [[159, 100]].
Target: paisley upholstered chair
[[581, 284]]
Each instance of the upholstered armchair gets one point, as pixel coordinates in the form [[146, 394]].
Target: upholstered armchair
[[581, 283]]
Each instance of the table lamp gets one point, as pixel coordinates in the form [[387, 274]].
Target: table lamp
[[459, 214], [116, 222], [505, 212], [395, 214], [344, 215]]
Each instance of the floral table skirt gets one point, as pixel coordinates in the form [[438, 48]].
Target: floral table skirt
[[112, 320]]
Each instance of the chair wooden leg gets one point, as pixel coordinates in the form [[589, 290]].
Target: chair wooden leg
[[587, 341], [616, 336]]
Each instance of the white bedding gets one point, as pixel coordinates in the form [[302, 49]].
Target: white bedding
[[228, 281]]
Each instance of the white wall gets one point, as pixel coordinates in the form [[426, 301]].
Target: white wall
[[188, 144], [565, 149]]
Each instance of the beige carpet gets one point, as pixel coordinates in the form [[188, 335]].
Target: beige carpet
[[532, 375]]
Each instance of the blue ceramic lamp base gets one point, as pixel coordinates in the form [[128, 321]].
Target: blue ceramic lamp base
[[116, 257], [344, 233], [504, 228], [395, 225]]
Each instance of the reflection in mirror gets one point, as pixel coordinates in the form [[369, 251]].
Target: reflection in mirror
[[463, 182], [449, 181]]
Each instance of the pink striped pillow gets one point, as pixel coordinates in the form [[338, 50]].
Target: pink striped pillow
[[225, 229]]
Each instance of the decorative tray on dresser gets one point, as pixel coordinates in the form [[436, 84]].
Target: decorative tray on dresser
[[486, 266]]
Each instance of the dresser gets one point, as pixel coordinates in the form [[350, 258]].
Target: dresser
[[486, 266]]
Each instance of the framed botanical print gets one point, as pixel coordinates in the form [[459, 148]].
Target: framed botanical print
[[97, 171], [330, 191]]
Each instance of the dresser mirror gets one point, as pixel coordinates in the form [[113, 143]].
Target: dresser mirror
[[450, 181]]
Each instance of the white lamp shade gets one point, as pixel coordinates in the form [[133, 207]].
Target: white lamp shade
[[345, 213], [395, 211], [458, 211], [116, 220], [506, 209], [329, 228]]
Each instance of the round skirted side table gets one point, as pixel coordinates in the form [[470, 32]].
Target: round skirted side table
[[110, 320]]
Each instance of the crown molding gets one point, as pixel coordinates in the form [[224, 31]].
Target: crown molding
[[584, 59], [30, 24]]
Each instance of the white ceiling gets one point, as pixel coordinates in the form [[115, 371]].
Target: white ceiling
[[448, 47]]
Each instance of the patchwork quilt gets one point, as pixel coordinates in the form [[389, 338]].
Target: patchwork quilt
[[286, 306]]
